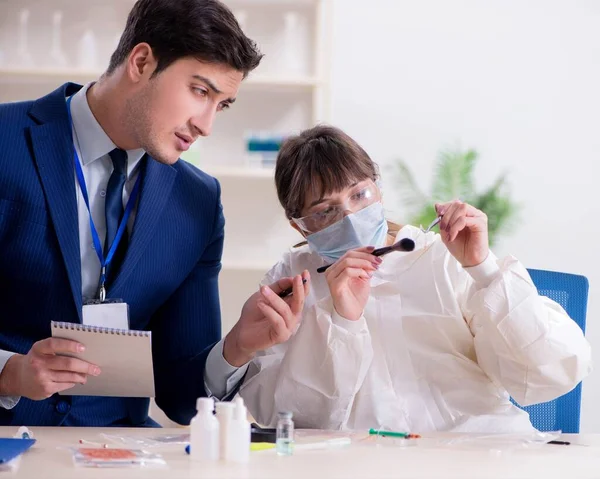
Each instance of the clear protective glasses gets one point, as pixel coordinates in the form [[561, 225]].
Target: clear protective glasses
[[329, 214]]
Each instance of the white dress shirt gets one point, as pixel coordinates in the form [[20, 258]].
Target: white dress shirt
[[438, 348], [93, 147]]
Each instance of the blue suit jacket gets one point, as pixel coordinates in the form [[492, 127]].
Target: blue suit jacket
[[168, 277]]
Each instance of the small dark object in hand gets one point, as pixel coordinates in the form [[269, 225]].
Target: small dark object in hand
[[405, 244], [286, 292]]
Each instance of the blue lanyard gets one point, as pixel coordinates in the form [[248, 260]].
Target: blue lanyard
[[104, 262]]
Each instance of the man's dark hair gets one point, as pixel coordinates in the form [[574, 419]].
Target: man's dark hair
[[203, 29]]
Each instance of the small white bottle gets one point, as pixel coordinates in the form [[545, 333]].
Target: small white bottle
[[57, 56], [292, 62], [23, 53], [240, 433], [225, 416], [204, 434], [242, 17], [88, 51]]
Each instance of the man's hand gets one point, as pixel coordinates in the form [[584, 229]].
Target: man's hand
[[43, 371], [464, 231], [349, 281], [266, 320]]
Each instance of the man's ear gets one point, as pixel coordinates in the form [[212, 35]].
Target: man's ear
[[141, 62]]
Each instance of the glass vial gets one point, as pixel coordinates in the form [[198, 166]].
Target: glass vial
[[285, 434]]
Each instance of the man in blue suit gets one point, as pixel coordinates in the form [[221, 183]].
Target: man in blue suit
[[81, 162]]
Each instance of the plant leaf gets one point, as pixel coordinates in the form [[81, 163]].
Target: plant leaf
[[500, 209], [453, 176], [424, 217], [413, 199]]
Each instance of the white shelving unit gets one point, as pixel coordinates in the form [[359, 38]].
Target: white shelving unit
[[287, 93], [46, 75], [232, 172], [278, 96]]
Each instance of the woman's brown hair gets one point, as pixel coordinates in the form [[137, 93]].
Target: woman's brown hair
[[320, 161]]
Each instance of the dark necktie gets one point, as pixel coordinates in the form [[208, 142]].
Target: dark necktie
[[115, 211]]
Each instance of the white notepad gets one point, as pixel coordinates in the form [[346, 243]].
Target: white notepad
[[124, 356]]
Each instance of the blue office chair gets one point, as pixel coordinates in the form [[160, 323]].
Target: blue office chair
[[571, 292]]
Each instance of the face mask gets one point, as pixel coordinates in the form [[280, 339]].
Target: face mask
[[366, 227]]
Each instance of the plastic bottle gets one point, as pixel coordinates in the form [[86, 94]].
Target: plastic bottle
[[224, 416], [57, 56], [204, 434], [239, 434], [88, 51], [242, 18], [292, 62], [23, 53]]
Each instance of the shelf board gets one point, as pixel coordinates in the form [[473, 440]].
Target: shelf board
[[256, 266], [270, 3], [238, 172], [85, 76], [47, 74], [264, 3], [282, 81]]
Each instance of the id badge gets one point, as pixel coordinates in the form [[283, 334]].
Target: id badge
[[108, 314]]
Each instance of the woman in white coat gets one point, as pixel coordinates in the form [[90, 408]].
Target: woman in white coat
[[436, 339]]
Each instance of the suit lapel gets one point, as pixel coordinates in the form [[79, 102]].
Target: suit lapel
[[155, 191], [53, 153]]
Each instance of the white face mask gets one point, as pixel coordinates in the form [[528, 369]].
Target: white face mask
[[366, 227]]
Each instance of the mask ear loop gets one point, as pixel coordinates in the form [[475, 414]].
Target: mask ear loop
[[379, 185]]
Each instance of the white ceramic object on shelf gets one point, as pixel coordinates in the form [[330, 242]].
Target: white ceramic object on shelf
[[116, 41], [277, 99], [242, 18], [88, 51], [291, 62], [24, 59], [57, 55]]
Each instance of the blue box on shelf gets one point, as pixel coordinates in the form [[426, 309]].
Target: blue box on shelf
[[262, 149]]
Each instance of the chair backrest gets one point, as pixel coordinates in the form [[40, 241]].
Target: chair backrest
[[571, 292]]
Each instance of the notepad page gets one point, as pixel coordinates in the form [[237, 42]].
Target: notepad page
[[125, 358]]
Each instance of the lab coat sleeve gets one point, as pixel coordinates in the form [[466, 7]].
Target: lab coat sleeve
[[315, 375], [526, 343]]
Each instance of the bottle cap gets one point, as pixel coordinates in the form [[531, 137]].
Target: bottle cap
[[205, 404], [240, 409]]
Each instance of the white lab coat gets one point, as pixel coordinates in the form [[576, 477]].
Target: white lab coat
[[439, 348]]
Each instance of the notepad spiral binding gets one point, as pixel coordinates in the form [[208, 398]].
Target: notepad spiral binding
[[99, 329]]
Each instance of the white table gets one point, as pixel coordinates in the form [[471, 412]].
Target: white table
[[429, 458]]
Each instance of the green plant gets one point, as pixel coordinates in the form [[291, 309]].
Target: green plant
[[453, 178]]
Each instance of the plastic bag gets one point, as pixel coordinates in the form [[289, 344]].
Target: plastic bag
[[500, 441], [102, 457], [383, 440], [147, 442], [11, 466]]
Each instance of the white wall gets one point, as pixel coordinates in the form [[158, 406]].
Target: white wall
[[518, 81]]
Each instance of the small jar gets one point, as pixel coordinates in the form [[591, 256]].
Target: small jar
[[285, 434]]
